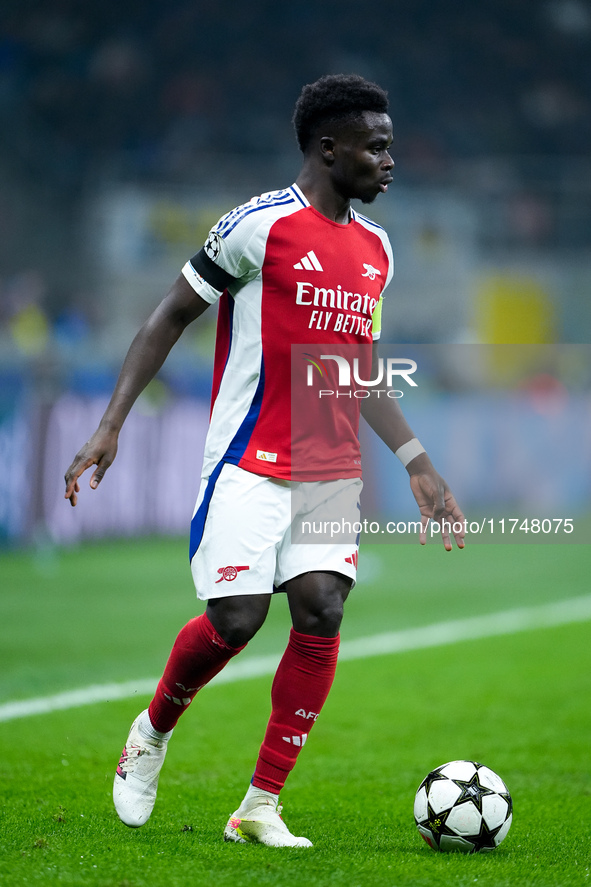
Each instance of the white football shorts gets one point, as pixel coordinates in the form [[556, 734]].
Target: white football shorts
[[244, 524]]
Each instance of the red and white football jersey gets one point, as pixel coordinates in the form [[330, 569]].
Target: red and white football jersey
[[285, 275]]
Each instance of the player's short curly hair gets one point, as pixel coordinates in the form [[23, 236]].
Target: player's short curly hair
[[332, 98]]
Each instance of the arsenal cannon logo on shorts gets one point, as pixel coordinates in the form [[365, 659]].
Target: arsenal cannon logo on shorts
[[229, 573]]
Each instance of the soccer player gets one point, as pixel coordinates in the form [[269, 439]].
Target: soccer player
[[297, 265]]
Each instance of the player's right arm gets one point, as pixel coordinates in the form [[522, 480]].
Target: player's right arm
[[147, 353]]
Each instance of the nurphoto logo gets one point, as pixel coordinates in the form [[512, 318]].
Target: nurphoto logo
[[388, 370]]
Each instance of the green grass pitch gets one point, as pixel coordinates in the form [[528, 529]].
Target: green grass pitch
[[109, 612]]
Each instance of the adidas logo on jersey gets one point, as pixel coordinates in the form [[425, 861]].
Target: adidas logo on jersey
[[309, 262], [352, 559], [264, 456]]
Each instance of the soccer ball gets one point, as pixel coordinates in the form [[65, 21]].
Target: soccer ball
[[463, 806]]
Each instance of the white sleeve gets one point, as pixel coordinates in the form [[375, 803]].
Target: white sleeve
[[231, 255]]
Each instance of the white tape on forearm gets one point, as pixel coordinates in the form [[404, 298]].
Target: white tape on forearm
[[408, 451]]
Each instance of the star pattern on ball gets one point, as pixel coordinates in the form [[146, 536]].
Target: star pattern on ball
[[486, 838], [472, 791], [436, 821]]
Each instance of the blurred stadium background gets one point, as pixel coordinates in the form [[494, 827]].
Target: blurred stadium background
[[129, 128]]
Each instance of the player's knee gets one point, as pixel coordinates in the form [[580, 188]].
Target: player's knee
[[316, 601], [237, 620], [235, 630], [322, 618]]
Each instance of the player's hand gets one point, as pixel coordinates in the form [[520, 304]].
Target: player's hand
[[100, 450], [437, 503]]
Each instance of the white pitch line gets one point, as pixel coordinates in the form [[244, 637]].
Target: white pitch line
[[565, 612]]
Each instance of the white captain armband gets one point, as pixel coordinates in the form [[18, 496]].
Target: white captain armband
[[408, 451], [204, 289]]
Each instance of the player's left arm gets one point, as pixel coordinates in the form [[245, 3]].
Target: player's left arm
[[434, 498]]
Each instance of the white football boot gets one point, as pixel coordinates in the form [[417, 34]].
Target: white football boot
[[258, 821], [136, 777]]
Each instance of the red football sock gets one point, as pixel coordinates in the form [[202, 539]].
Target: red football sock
[[301, 685], [198, 654]]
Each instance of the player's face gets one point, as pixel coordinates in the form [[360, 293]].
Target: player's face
[[362, 165]]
